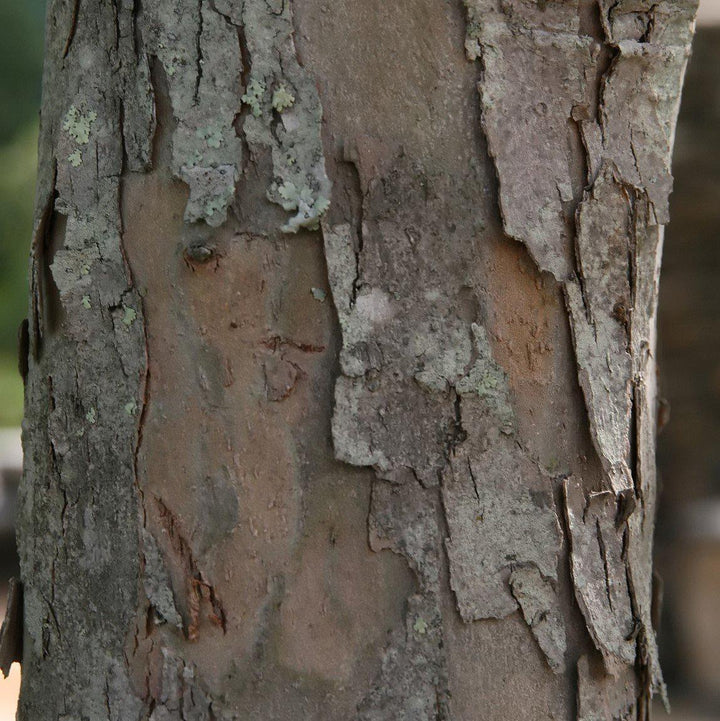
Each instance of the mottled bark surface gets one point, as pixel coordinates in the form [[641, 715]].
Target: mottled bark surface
[[341, 396]]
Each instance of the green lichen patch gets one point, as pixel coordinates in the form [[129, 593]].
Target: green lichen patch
[[77, 124], [310, 208], [131, 408], [254, 96], [91, 416], [282, 99], [319, 294], [75, 158], [85, 302], [129, 315], [420, 626]]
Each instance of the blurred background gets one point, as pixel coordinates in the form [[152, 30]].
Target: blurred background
[[21, 43], [688, 534]]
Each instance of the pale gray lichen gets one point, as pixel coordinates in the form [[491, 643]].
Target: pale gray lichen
[[310, 208], [129, 315], [282, 99], [75, 158], [198, 50], [253, 97], [301, 183], [420, 625], [436, 353], [77, 124], [443, 353]]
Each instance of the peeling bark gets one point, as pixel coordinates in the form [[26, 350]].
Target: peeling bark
[[340, 379]]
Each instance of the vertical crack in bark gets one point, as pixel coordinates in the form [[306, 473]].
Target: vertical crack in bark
[[73, 28], [357, 209], [198, 52], [165, 125]]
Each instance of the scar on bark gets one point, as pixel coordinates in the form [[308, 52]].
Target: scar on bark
[[196, 587]]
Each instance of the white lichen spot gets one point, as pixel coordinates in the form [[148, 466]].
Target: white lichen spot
[[85, 301], [85, 270], [322, 205], [420, 626], [75, 158], [253, 97], [282, 99], [309, 208], [289, 193], [91, 416], [318, 294], [213, 136], [129, 316], [131, 408], [78, 123]]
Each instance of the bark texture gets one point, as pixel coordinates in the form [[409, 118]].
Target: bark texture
[[341, 388]]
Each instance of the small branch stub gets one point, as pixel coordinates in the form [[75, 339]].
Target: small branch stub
[[199, 253]]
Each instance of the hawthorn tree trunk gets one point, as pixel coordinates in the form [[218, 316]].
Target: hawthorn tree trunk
[[341, 378]]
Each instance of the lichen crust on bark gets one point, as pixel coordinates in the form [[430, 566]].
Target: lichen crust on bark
[[341, 384]]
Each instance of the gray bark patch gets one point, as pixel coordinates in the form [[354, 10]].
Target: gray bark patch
[[413, 680], [538, 602], [599, 574], [602, 697], [500, 515], [599, 303], [592, 214]]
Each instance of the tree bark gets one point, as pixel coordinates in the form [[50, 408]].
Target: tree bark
[[341, 379]]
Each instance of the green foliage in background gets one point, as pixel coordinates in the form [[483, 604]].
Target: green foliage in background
[[21, 40], [21, 44]]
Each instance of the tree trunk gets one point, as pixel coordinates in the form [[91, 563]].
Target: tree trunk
[[341, 383]]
